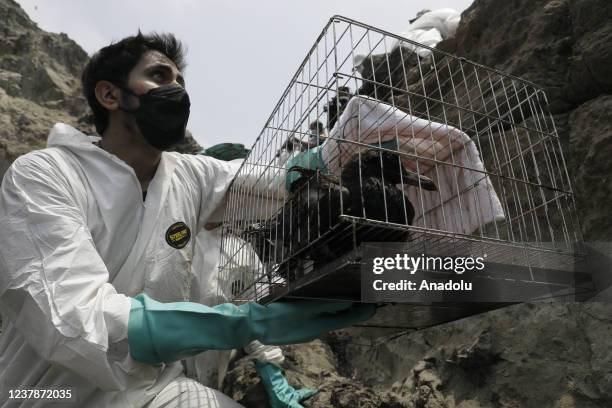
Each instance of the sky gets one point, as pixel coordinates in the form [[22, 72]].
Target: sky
[[241, 53]]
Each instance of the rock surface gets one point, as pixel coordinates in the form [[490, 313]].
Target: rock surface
[[522, 356], [314, 365], [39, 83], [589, 128], [563, 46]]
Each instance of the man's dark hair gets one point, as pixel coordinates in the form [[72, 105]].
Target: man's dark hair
[[115, 62]]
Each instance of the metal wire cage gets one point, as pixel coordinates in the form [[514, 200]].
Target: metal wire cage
[[381, 139]]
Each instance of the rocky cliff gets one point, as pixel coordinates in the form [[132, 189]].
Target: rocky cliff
[[565, 47], [39, 83]]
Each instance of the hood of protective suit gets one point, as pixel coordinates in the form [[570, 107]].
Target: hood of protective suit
[[62, 134]]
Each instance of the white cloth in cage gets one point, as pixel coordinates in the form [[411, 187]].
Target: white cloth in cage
[[465, 199]]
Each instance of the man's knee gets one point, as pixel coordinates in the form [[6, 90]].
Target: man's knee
[[185, 392]]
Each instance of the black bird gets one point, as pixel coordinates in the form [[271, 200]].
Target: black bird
[[368, 190], [262, 237], [316, 201], [372, 178], [312, 209], [336, 105]]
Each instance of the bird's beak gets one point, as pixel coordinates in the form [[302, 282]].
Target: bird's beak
[[412, 178]]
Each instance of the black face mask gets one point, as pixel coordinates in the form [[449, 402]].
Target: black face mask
[[162, 115]]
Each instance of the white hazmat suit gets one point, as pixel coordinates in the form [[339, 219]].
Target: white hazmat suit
[[431, 28], [428, 29], [77, 241]]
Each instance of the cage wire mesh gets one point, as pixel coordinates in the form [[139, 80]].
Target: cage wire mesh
[[381, 139]]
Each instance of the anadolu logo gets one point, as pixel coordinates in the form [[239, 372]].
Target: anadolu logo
[[178, 235]]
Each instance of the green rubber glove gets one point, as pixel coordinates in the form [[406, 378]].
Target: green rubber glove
[[310, 159], [166, 332], [280, 393]]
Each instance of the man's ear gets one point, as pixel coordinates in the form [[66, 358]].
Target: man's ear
[[108, 95]]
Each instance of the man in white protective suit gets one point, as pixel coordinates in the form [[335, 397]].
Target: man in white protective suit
[[97, 245]]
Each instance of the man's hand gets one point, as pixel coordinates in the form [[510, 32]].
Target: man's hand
[[166, 332], [280, 393]]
